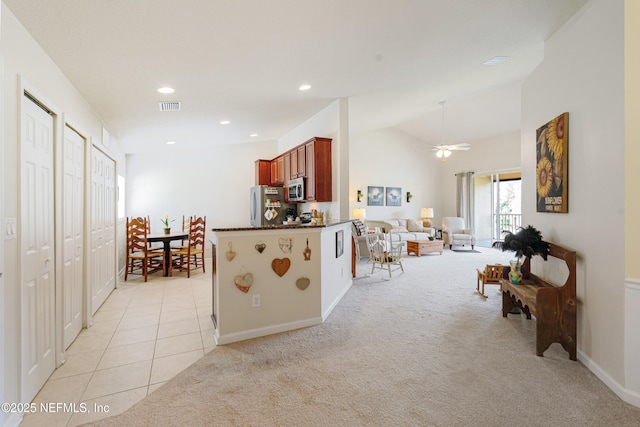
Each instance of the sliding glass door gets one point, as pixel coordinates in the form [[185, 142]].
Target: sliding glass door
[[497, 206]]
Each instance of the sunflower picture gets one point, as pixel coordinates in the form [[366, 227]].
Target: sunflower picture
[[552, 141]]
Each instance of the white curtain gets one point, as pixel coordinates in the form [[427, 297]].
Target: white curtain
[[465, 197]]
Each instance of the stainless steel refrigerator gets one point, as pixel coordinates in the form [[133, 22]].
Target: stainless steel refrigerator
[[267, 205]]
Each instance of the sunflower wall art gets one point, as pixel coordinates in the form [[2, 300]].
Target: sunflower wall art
[[552, 156]]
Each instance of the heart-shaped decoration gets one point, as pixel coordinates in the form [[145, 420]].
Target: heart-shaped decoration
[[260, 246], [303, 283], [286, 243], [281, 266], [243, 282], [230, 253]]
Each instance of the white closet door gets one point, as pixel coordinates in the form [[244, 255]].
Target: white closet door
[[72, 233], [103, 226], [37, 249]]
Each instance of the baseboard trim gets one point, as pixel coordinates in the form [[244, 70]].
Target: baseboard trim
[[629, 396], [261, 332], [632, 283], [14, 420], [335, 302]]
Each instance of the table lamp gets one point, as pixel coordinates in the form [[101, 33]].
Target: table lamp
[[426, 214], [359, 213]]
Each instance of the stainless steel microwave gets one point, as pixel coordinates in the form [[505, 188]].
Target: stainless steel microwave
[[295, 190]]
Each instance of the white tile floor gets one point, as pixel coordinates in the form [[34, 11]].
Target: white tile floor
[[143, 335]]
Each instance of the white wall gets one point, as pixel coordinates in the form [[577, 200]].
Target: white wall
[[283, 306], [23, 58], [632, 194], [582, 73], [214, 182], [327, 123], [498, 154], [390, 158]]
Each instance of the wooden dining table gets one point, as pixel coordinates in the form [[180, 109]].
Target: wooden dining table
[[166, 240]]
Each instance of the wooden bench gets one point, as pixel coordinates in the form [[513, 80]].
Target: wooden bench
[[554, 307]]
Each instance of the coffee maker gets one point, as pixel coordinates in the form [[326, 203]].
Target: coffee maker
[[291, 214]]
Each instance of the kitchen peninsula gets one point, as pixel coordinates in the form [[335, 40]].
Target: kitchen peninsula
[[273, 279]]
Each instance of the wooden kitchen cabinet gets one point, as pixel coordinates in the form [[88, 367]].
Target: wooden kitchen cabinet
[[263, 172], [318, 170], [310, 179], [294, 163], [287, 167], [310, 160], [277, 171], [302, 160]]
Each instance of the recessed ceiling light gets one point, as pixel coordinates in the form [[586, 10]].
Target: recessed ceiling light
[[496, 60], [225, 122], [170, 142], [253, 135], [305, 87], [166, 89]]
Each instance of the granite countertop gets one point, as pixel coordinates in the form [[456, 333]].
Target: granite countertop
[[282, 226]]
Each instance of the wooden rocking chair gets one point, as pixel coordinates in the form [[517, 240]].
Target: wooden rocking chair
[[490, 276]]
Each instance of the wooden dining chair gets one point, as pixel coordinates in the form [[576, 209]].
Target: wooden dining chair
[[186, 222], [186, 258], [140, 258], [155, 248]]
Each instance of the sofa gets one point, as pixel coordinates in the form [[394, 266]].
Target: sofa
[[396, 230]]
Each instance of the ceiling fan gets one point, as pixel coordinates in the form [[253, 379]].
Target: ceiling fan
[[444, 150]]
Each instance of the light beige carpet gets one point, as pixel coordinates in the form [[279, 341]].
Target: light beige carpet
[[422, 349]]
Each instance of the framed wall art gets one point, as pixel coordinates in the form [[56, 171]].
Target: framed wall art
[[375, 196], [339, 243], [394, 196], [552, 158]]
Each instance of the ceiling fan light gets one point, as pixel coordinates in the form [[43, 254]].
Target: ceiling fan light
[[447, 153], [439, 153]]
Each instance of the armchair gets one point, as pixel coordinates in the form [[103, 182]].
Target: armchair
[[454, 233]]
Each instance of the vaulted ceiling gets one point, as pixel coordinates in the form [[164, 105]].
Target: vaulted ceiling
[[244, 60]]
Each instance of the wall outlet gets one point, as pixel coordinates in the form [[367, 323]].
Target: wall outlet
[[255, 300]]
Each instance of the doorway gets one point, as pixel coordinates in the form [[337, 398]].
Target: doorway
[[103, 228], [498, 206], [37, 246], [72, 233]]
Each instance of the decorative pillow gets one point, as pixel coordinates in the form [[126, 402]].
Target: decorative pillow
[[399, 230], [360, 229], [415, 225], [393, 223]]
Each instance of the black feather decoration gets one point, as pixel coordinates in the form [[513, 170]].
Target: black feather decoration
[[526, 241]]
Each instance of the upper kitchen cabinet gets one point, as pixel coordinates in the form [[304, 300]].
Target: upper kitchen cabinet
[[318, 171], [298, 161], [263, 172], [302, 160], [287, 167], [310, 160], [293, 154], [277, 171]]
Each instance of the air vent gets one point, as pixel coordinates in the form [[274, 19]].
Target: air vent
[[170, 106]]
